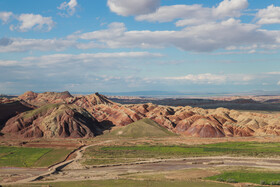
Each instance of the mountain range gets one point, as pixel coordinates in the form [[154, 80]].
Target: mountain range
[[62, 115]]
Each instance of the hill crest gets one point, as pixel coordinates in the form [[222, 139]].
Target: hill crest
[[142, 128]]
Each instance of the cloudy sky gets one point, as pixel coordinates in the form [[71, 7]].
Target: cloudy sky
[[132, 45]]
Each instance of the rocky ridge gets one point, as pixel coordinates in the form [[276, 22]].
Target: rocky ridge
[[188, 121], [54, 121], [12, 107]]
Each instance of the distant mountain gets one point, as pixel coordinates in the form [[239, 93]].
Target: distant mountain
[[158, 93], [7, 96], [151, 93], [40, 99]]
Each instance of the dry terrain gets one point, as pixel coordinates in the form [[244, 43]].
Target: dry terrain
[[56, 137], [182, 169]]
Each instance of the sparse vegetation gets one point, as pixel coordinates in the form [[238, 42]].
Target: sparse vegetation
[[254, 149], [31, 157], [142, 128], [118, 154], [40, 110], [52, 157], [257, 177]]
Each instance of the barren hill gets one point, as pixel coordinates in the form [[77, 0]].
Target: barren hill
[[9, 108], [91, 100], [54, 120], [187, 121], [40, 99]]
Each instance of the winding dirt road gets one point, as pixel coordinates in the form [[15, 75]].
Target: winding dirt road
[[54, 169], [72, 170]]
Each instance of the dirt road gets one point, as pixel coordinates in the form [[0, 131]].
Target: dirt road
[[114, 171], [27, 175], [72, 170]]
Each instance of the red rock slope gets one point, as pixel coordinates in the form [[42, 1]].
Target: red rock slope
[[53, 121], [187, 121], [10, 108]]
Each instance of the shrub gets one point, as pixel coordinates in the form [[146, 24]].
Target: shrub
[[273, 183], [262, 182], [231, 180], [220, 179]]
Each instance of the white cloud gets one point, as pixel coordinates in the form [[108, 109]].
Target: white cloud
[[227, 79], [201, 38], [7, 86], [34, 21], [230, 8], [230, 34], [114, 30], [270, 15], [28, 21], [8, 62], [273, 73], [201, 78], [191, 21], [133, 7], [169, 13], [5, 16], [238, 52], [196, 14], [110, 71], [70, 7], [81, 58], [22, 45], [88, 57], [209, 78], [90, 45]]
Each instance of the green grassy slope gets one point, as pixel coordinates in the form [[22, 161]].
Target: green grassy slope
[[142, 128], [257, 177], [40, 110], [31, 157], [120, 154]]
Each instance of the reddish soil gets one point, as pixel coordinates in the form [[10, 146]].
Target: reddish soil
[[103, 114]]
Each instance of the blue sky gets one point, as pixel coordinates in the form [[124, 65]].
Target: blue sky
[[131, 45]]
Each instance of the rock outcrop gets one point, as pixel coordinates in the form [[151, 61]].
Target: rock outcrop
[[89, 101], [101, 112], [40, 99], [10, 108], [54, 121]]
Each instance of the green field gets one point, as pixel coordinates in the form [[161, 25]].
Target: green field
[[31, 157], [118, 154], [132, 183], [262, 178]]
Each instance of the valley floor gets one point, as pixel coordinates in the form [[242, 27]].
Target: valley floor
[[180, 171]]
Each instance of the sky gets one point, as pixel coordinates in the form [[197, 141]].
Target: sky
[[190, 46]]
